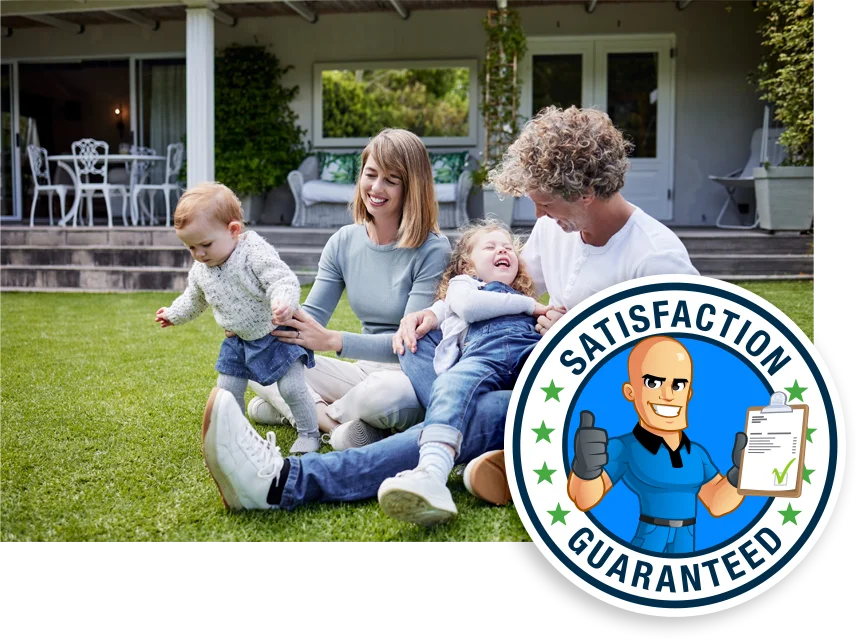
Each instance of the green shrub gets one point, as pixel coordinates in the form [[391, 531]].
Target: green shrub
[[785, 76], [257, 138]]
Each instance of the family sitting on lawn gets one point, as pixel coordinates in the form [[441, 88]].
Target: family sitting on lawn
[[571, 163]]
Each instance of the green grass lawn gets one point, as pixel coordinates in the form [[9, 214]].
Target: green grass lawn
[[101, 417]]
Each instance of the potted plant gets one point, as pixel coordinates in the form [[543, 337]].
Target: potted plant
[[505, 48], [785, 78], [257, 139]]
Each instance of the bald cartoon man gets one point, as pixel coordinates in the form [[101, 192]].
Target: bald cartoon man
[[657, 461]]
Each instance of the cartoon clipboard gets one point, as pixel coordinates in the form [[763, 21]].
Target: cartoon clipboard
[[772, 463]]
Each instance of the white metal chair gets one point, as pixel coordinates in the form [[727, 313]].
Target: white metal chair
[[39, 168], [91, 158], [139, 173], [173, 165], [743, 178]]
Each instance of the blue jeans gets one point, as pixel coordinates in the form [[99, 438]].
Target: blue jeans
[[491, 358], [356, 474]]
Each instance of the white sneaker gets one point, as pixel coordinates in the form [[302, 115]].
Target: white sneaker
[[355, 433], [242, 464], [418, 497], [260, 411], [272, 395]]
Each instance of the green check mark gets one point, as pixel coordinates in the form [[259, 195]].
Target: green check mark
[[781, 476]]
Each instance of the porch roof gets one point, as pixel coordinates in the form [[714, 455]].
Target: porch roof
[[17, 14]]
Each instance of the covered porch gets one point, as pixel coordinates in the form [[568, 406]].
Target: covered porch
[[662, 68]]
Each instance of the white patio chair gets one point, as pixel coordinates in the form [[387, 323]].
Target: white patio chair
[[742, 178], [139, 172], [173, 165], [39, 169], [91, 158]]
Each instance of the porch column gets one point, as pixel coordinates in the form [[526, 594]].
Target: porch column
[[200, 102]]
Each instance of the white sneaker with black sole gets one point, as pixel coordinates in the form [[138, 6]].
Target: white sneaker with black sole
[[418, 497], [241, 462]]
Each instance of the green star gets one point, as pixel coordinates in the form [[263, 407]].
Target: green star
[[545, 473], [543, 433], [789, 515], [560, 515], [552, 392], [811, 430], [806, 473], [796, 391]]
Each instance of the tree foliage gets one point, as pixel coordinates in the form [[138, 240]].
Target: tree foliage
[[785, 75], [428, 102], [257, 138]]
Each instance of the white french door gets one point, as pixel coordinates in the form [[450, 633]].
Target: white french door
[[630, 78]]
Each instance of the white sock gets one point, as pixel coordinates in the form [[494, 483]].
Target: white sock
[[437, 459]]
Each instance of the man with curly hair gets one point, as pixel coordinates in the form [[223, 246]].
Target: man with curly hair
[[571, 163]]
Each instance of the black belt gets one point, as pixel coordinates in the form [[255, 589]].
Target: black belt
[[668, 523]]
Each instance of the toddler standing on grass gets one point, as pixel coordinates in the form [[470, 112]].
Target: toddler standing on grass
[[486, 311], [251, 291]]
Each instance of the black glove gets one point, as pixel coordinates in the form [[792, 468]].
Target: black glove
[[738, 447], [591, 449]]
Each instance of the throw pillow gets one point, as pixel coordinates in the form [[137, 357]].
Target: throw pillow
[[337, 168], [448, 166]]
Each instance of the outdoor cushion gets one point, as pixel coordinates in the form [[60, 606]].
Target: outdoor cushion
[[448, 166], [338, 168], [445, 192], [326, 192]]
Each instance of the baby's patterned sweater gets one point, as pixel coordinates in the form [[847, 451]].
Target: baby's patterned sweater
[[240, 291]]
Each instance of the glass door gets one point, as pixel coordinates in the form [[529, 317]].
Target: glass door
[[632, 80], [633, 85], [10, 158]]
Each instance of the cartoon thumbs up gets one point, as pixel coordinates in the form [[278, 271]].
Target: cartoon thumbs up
[[591, 448]]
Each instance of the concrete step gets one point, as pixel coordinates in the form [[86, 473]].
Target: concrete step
[[101, 278], [708, 241], [746, 264], [131, 256]]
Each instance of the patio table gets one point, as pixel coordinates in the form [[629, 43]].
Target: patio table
[[61, 160]]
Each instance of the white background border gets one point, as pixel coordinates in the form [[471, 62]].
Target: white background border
[[477, 592]]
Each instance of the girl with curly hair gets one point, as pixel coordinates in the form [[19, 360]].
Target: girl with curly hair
[[486, 311]]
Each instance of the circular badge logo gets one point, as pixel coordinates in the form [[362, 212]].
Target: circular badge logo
[[674, 445]]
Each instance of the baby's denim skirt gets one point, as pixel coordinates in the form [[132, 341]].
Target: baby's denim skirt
[[264, 360]]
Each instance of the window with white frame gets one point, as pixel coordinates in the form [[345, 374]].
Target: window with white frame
[[436, 100]]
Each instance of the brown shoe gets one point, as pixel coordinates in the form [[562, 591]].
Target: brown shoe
[[485, 478]]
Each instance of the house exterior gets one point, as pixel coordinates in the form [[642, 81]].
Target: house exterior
[[676, 70]]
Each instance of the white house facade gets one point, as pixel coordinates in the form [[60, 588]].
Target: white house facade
[[148, 67]]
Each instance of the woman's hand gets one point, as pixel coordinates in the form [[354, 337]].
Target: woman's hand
[[413, 327], [309, 334], [549, 319]]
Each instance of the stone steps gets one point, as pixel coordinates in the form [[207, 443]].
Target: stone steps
[[130, 259]]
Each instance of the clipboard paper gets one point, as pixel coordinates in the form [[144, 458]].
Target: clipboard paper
[[774, 457]]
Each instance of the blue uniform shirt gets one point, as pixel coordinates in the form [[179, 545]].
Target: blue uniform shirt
[[665, 482]]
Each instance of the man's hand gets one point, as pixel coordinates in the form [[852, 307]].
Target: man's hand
[[282, 313], [739, 444], [412, 328], [591, 449], [161, 319], [549, 319]]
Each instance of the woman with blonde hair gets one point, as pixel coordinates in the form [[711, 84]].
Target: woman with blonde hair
[[389, 261]]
